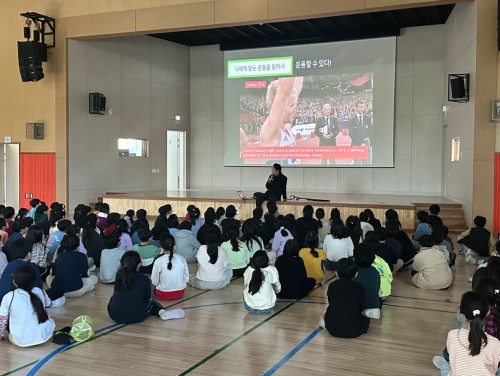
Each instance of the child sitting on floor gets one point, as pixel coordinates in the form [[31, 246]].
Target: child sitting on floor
[[170, 272], [131, 301], [346, 302], [261, 284], [23, 311]]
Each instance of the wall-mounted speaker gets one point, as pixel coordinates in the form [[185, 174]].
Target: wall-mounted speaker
[[34, 131], [30, 56], [458, 87], [97, 103]]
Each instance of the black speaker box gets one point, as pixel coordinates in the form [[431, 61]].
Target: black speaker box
[[97, 103], [457, 87], [30, 56]]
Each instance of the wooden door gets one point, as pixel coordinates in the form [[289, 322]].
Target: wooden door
[[37, 178]]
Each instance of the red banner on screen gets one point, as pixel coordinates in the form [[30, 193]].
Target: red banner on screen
[[255, 84], [305, 152]]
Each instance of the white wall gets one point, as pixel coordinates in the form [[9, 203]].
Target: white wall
[[460, 57], [146, 82], [418, 128]]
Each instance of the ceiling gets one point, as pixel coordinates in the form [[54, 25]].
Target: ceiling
[[317, 30]]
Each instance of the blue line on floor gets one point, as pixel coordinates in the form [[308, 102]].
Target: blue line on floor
[[294, 351], [45, 359]]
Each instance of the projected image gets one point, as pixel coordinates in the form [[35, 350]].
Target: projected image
[[314, 105], [311, 120]]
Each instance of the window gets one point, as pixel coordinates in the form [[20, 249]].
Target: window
[[455, 149], [129, 147]]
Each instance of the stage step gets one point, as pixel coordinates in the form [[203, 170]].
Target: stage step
[[451, 214]]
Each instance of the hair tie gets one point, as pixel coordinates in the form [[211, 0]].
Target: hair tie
[[497, 291], [476, 312]]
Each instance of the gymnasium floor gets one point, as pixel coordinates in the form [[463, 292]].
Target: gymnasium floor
[[218, 337]]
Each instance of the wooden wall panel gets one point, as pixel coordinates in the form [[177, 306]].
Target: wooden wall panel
[[175, 17], [121, 203], [104, 24], [289, 9], [235, 11]]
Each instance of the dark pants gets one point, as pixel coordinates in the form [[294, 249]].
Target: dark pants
[[154, 307], [261, 197]]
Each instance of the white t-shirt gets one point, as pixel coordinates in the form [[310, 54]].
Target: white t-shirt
[[208, 272], [23, 321], [174, 279], [336, 249], [266, 297]]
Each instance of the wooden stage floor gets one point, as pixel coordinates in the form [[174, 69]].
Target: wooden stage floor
[[348, 204]]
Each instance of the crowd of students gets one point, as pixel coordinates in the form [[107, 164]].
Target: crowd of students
[[277, 255]]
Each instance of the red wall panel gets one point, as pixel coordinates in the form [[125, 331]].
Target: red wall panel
[[37, 178]]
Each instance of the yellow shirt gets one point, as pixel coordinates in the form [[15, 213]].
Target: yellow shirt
[[313, 264]]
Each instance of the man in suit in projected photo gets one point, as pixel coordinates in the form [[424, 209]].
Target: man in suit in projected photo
[[282, 97], [360, 126], [326, 129]]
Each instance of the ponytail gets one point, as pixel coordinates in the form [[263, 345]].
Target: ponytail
[[24, 278], [256, 281], [167, 243], [39, 308], [213, 252], [212, 245], [284, 232], [474, 307], [169, 266], [312, 242], [320, 224], [476, 334], [233, 233], [125, 275], [259, 260]]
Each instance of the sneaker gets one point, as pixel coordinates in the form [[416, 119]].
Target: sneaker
[[172, 314], [470, 279], [439, 361], [92, 268]]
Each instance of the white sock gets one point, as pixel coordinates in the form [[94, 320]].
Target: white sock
[[172, 314], [58, 302]]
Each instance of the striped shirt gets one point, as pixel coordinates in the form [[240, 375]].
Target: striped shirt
[[463, 364]]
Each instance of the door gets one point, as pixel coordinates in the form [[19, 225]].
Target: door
[[37, 178], [176, 160], [9, 175]]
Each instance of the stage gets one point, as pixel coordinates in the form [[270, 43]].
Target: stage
[[348, 204]]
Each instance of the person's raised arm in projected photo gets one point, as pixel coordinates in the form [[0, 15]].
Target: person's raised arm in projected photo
[[280, 102], [275, 185]]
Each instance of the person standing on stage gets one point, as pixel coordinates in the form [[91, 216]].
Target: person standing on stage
[[276, 187], [326, 128], [360, 126]]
